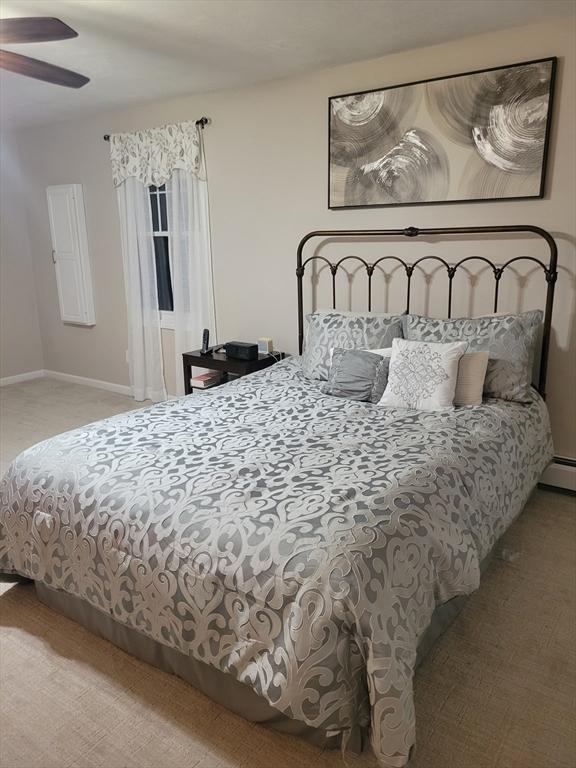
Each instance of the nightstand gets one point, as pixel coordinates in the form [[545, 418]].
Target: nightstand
[[231, 367]]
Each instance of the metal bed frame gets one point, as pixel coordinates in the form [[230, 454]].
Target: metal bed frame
[[550, 270]]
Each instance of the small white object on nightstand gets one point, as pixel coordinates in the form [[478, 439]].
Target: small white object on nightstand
[[265, 345]]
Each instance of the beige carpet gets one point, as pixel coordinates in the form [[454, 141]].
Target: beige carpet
[[37, 409], [498, 691]]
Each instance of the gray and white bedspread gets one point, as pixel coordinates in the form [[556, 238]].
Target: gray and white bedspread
[[296, 541]]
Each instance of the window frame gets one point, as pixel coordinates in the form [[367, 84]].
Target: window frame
[[154, 195]]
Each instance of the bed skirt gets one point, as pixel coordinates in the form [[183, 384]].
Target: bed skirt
[[220, 686]]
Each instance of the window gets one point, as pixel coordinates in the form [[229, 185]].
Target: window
[[161, 249]]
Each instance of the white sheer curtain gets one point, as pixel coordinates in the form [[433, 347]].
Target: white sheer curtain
[[191, 264], [170, 155], [144, 340]]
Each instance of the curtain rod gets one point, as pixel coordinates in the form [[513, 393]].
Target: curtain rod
[[201, 123]]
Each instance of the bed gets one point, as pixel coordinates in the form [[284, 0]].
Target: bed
[[291, 554]]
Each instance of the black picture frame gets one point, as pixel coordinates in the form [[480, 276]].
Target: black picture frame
[[553, 60]]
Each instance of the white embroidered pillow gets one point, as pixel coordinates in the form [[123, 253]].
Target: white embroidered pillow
[[423, 375]]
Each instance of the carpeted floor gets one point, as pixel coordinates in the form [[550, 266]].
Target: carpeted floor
[[498, 691], [37, 409]]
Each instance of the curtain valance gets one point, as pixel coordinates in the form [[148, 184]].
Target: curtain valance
[[152, 155]]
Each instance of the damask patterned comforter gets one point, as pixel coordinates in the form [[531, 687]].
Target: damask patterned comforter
[[296, 541]]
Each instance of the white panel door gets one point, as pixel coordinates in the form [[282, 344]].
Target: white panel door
[[70, 253]]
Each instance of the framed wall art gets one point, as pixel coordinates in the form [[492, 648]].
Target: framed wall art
[[472, 137]]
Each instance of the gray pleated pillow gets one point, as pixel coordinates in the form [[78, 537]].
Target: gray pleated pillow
[[347, 330], [357, 375], [510, 341]]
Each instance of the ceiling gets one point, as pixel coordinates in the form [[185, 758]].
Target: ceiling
[[137, 51]]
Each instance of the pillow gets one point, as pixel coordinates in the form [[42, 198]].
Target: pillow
[[382, 352], [357, 375], [347, 330], [510, 341], [532, 322], [423, 375], [470, 380]]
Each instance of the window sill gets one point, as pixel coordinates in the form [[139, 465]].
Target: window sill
[[166, 320]]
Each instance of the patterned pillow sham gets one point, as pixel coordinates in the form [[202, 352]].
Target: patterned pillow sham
[[357, 374], [423, 375], [509, 339], [347, 330]]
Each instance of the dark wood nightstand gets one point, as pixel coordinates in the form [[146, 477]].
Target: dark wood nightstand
[[230, 367]]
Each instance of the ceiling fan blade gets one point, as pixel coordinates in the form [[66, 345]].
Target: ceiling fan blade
[[41, 70], [34, 29]]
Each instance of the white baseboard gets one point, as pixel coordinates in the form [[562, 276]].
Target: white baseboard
[[560, 476], [120, 389], [6, 380]]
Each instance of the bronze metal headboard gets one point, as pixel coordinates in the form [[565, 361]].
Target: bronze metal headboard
[[550, 270]]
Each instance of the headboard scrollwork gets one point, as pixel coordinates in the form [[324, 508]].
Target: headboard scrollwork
[[550, 270]]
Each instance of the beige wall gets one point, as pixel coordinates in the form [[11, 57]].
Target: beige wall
[[20, 344], [267, 163]]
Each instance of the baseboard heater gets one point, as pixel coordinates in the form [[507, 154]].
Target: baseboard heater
[[561, 475]]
